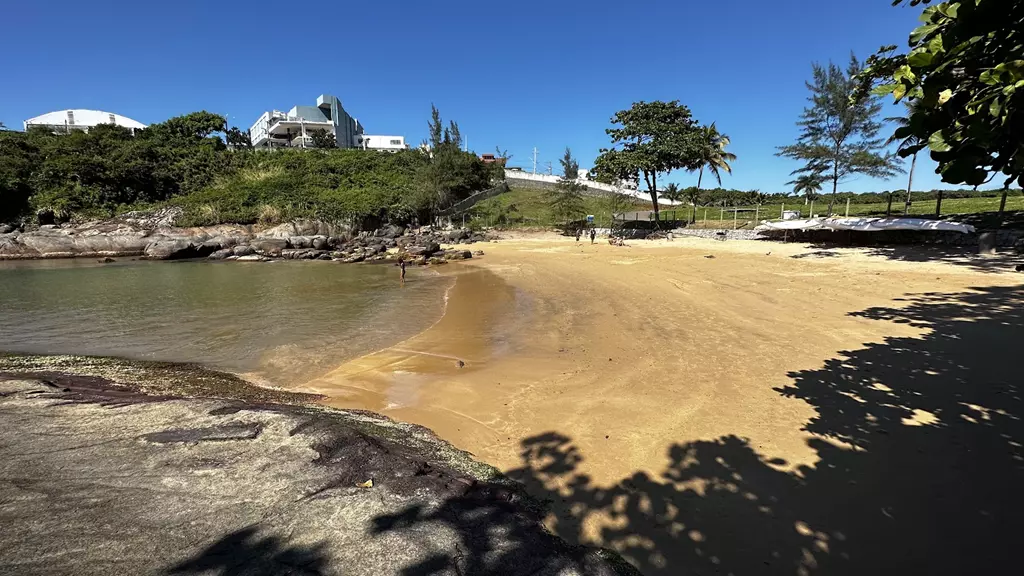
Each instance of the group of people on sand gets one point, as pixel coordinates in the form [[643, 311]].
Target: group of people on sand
[[593, 234]]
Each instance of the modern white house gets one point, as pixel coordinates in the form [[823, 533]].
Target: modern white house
[[67, 120], [295, 128], [378, 142]]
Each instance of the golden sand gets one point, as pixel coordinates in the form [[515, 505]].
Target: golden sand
[[628, 350]]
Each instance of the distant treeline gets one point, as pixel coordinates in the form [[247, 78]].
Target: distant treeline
[[48, 177], [724, 197]]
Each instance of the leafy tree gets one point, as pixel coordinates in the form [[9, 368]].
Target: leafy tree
[[713, 155], [238, 139], [965, 74], [451, 174], [567, 201], [323, 139], [651, 138], [839, 133], [809, 185], [694, 196], [196, 125], [910, 141]]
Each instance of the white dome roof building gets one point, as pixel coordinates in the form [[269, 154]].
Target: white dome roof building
[[65, 120]]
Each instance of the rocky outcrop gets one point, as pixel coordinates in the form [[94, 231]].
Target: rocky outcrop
[[228, 478], [149, 235]]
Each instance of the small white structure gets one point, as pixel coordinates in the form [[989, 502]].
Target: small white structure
[[67, 120], [381, 142]]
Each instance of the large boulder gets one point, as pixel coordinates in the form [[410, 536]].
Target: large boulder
[[300, 242], [320, 243], [270, 247], [426, 250], [243, 250], [175, 250], [6, 228], [455, 236], [221, 254], [458, 254]]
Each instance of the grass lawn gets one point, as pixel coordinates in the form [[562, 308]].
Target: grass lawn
[[527, 207]]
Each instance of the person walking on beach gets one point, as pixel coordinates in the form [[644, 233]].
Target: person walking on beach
[[578, 232], [401, 263], [593, 235]]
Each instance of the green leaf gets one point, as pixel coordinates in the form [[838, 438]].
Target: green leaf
[[995, 108], [883, 89], [935, 45], [920, 59], [899, 92], [937, 143], [919, 33]]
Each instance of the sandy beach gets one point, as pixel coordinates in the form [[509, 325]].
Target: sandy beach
[[592, 369]]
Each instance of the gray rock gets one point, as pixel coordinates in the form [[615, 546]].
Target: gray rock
[[251, 258], [300, 242], [6, 228], [171, 250], [210, 486], [220, 254], [270, 247], [321, 243], [243, 250], [478, 253]]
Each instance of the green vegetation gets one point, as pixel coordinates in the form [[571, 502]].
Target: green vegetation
[[567, 198], [57, 177], [532, 207], [839, 130], [649, 139], [964, 73]]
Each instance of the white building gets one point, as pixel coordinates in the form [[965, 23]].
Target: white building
[[67, 120], [295, 128], [377, 142]]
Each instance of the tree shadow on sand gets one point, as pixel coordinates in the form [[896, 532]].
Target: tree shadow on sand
[[921, 467], [245, 552]]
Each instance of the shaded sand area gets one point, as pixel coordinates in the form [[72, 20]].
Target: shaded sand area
[[773, 409]]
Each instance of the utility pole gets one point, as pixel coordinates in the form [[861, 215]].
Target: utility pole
[[535, 160]]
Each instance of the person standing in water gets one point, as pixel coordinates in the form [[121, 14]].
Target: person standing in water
[[401, 263]]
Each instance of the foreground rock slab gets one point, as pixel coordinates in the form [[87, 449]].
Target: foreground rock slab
[[97, 477]]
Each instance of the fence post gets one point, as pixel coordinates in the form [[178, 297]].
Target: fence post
[[888, 209], [847, 207], [782, 211], [705, 217], [938, 204], [811, 213], [721, 215], [735, 217], [757, 213]]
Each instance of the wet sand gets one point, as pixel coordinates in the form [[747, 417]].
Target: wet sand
[[628, 350]]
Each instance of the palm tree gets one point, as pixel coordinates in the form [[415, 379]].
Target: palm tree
[[713, 155], [909, 143], [809, 185], [672, 192]]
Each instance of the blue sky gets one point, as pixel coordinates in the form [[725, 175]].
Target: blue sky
[[514, 75]]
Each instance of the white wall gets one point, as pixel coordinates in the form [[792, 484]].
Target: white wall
[[381, 142], [552, 179]]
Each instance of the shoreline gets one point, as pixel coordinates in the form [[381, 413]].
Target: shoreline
[[479, 407]]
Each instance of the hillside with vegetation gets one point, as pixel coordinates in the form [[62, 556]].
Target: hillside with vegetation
[[47, 177]]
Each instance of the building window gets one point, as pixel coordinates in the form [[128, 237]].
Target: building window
[[112, 120], [396, 142], [71, 117]]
